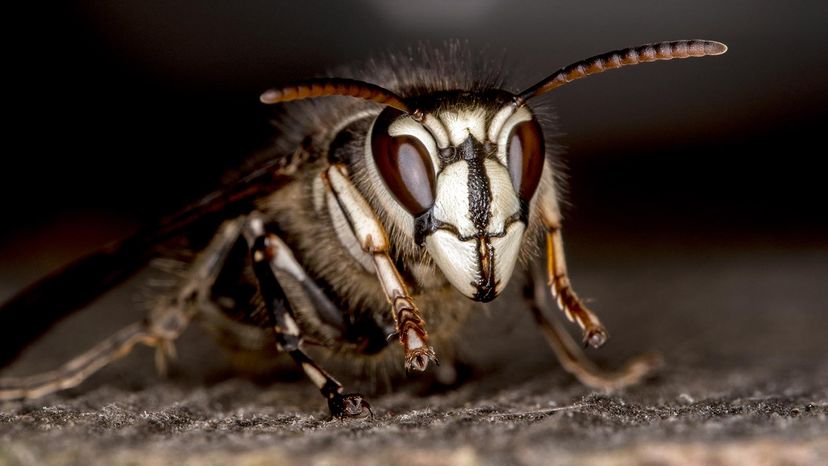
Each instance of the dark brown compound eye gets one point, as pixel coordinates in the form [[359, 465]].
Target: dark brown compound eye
[[525, 153], [404, 165]]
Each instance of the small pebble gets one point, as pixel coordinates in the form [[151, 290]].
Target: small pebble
[[685, 398]]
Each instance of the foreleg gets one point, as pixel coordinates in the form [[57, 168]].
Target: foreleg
[[369, 232], [594, 333]]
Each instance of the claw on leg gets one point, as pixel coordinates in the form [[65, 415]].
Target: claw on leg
[[350, 405], [412, 335], [268, 254], [595, 337], [418, 359], [594, 333]]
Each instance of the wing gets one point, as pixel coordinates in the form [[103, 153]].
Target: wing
[[35, 309]]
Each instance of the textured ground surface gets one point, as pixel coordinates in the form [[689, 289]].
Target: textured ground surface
[[743, 332]]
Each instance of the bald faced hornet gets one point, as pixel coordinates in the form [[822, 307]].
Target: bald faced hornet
[[400, 195]]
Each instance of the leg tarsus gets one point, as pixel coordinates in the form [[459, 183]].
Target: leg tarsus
[[595, 337], [418, 359], [410, 325], [349, 406], [594, 333]]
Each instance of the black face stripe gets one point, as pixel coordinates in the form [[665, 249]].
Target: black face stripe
[[474, 154], [486, 283], [447, 156], [480, 193], [426, 224]]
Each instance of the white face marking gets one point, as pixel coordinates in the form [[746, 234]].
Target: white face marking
[[506, 254], [497, 121], [456, 259], [451, 204], [438, 130], [464, 123], [460, 263], [505, 202], [521, 115]]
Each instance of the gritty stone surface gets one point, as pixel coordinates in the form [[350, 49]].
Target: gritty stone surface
[[746, 382]]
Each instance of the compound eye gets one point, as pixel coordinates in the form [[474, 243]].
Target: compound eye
[[404, 165], [526, 155]]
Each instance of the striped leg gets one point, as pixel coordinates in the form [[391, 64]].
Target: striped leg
[[572, 358], [162, 327], [369, 232], [594, 333], [558, 281], [270, 254]]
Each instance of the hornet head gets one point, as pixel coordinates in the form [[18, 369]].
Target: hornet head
[[464, 169]]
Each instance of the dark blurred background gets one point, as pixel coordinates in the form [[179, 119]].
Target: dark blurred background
[[119, 112]]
